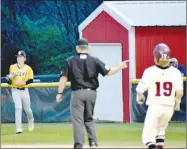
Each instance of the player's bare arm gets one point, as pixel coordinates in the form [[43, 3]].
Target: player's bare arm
[[62, 85], [178, 97], [122, 65]]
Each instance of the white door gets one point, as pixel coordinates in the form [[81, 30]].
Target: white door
[[109, 104]]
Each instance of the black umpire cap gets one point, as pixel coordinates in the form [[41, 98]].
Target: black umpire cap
[[82, 43], [21, 53]]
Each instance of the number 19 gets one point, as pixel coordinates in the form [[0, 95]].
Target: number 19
[[167, 86]]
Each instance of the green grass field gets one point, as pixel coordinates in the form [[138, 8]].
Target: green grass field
[[121, 134]]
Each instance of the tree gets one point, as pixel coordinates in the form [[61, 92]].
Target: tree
[[46, 30]]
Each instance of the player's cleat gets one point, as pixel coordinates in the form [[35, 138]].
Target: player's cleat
[[159, 147], [151, 145], [31, 126], [19, 131], [160, 142]]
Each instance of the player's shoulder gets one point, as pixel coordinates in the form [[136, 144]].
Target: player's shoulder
[[150, 69], [27, 66], [174, 70], [13, 65]]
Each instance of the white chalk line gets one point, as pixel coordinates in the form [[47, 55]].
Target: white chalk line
[[63, 146]]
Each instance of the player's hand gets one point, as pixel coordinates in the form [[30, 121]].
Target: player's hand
[[20, 82], [177, 105], [123, 64], [58, 97], [140, 99]]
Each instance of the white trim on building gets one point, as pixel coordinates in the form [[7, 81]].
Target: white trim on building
[[141, 13]]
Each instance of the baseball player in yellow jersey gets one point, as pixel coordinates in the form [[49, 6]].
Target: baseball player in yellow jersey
[[19, 77]]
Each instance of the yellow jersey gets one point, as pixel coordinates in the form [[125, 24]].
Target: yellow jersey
[[20, 74]]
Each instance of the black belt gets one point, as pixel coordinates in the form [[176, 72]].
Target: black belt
[[84, 89], [19, 88]]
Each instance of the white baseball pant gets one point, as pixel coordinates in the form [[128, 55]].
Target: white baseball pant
[[156, 122], [19, 97]]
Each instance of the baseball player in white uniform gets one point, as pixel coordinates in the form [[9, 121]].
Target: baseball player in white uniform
[[20, 75], [165, 90]]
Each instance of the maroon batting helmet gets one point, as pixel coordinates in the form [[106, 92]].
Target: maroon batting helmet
[[162, 54]]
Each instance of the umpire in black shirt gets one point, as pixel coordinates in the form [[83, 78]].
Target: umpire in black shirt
[[82, 70]]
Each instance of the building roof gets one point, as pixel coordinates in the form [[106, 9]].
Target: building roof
[[142, 13]]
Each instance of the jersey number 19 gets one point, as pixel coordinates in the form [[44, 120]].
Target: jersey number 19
[[167, 87]]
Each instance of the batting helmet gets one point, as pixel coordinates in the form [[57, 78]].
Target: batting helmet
[[161, 54]]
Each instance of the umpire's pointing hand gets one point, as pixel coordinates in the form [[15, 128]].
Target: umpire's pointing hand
[[58, 97], [124, 64]]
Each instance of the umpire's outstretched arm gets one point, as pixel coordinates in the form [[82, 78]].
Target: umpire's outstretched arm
[[114, 70]]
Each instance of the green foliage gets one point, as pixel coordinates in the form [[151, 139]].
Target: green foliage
[[46, 47], [46, 30]]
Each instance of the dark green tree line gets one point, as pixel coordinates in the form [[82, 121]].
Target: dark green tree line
[[46, 30]]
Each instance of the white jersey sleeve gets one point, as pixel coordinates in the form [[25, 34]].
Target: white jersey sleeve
[[178, 85], [144, 82]]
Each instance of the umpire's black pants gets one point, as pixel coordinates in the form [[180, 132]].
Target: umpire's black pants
[[82, 108]]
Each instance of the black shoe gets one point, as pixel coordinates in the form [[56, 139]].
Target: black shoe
[[152, 146], [78, 146], [19, 132], [93, 145]]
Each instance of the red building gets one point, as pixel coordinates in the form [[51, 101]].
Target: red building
[[138, 26]]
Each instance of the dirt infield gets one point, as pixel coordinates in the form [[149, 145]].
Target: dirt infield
[[63, 146]]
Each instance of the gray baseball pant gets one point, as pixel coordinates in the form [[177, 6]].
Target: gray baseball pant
[[82, 109], [19, 97]]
